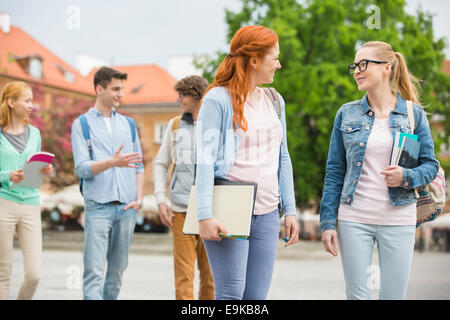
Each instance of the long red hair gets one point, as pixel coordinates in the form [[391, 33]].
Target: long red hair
[[234, 72]]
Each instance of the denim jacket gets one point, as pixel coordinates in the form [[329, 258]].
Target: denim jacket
[[352, 127]]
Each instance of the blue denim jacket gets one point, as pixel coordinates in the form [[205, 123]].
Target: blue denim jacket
[[352, 127]]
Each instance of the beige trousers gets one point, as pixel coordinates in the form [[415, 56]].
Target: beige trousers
[[27, 220], [186, 250]]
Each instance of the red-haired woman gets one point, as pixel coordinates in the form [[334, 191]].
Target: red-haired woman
[[240, 137]]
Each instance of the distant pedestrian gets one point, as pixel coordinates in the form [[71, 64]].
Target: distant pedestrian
[[112, 178], [19, 207], [242, 138], [177, 153], [368, 200]]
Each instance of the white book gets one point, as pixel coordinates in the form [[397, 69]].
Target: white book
[[395, 149], [232, 206], [31, 170]]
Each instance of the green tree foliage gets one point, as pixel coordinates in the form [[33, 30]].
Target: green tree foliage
[[318, 39]]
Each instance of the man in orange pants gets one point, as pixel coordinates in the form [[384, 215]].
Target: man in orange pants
[[179, 141]]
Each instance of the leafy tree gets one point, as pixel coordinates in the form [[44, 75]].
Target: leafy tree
[[318, 39], [55, 125]]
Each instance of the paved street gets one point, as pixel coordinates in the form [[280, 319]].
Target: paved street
[[303, 271]]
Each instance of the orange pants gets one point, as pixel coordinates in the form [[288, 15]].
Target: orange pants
[[187, 249]]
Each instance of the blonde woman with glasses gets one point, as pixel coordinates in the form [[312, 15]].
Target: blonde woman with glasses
[[365, 199]]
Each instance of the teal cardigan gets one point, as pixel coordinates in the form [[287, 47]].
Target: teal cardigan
[[10, 160]]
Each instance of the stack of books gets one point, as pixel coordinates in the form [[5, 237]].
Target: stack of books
[[405, 151]]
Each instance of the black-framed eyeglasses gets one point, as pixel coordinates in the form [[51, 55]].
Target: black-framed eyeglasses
[[362, 65]]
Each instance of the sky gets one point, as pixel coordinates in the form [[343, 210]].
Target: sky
[[136, 32]]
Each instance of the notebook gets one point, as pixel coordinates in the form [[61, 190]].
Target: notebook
[[409, 153], [31, 170], [398, 145], [233, 203]]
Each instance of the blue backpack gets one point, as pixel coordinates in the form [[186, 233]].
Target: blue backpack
[[87, 137]]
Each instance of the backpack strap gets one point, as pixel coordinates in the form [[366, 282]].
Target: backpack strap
[[273, 95], [409, 106], [176, 123], [132, 128], [87, 136], [175, 126], [86, 133]]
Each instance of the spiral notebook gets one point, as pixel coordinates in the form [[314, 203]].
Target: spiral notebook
[[233, 204]]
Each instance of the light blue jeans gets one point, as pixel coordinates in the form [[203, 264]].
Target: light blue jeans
[[395, 251], [242, 269], [108, 233]]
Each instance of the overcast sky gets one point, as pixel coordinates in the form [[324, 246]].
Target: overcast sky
[[146, 31]]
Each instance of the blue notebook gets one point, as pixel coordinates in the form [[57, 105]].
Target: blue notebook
[[409, 153], [398, 142]]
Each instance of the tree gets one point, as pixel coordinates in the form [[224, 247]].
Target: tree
[[318, 39], [55, 125]]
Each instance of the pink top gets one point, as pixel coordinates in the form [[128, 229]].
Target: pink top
[[258, 153], [371, 200]]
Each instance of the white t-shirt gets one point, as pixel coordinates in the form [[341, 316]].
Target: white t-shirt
[[258, 153], [371, 203], [108, 124]]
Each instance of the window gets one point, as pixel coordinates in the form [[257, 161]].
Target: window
[[31, 65], [35, 68], [160, 129], [69, 76]]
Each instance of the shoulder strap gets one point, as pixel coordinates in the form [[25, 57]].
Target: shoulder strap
[[86, 133], [272, 93], [175, 126], [84, 126], [409, 106], [87, 136], [176, 123], [132, 128]]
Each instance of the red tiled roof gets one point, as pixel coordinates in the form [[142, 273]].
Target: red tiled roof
[[17, 43], [446, 67], [145, 84]]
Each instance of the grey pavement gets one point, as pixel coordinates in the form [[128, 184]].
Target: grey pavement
[[303, 271]]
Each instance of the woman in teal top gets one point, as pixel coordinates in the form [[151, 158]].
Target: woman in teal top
[[19, 208]]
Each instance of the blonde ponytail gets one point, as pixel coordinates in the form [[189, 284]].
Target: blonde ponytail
[[403, 81]]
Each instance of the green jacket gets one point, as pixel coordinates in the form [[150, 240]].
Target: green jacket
[[10, 160]]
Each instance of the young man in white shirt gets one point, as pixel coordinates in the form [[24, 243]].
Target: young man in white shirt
[[178, 145]]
